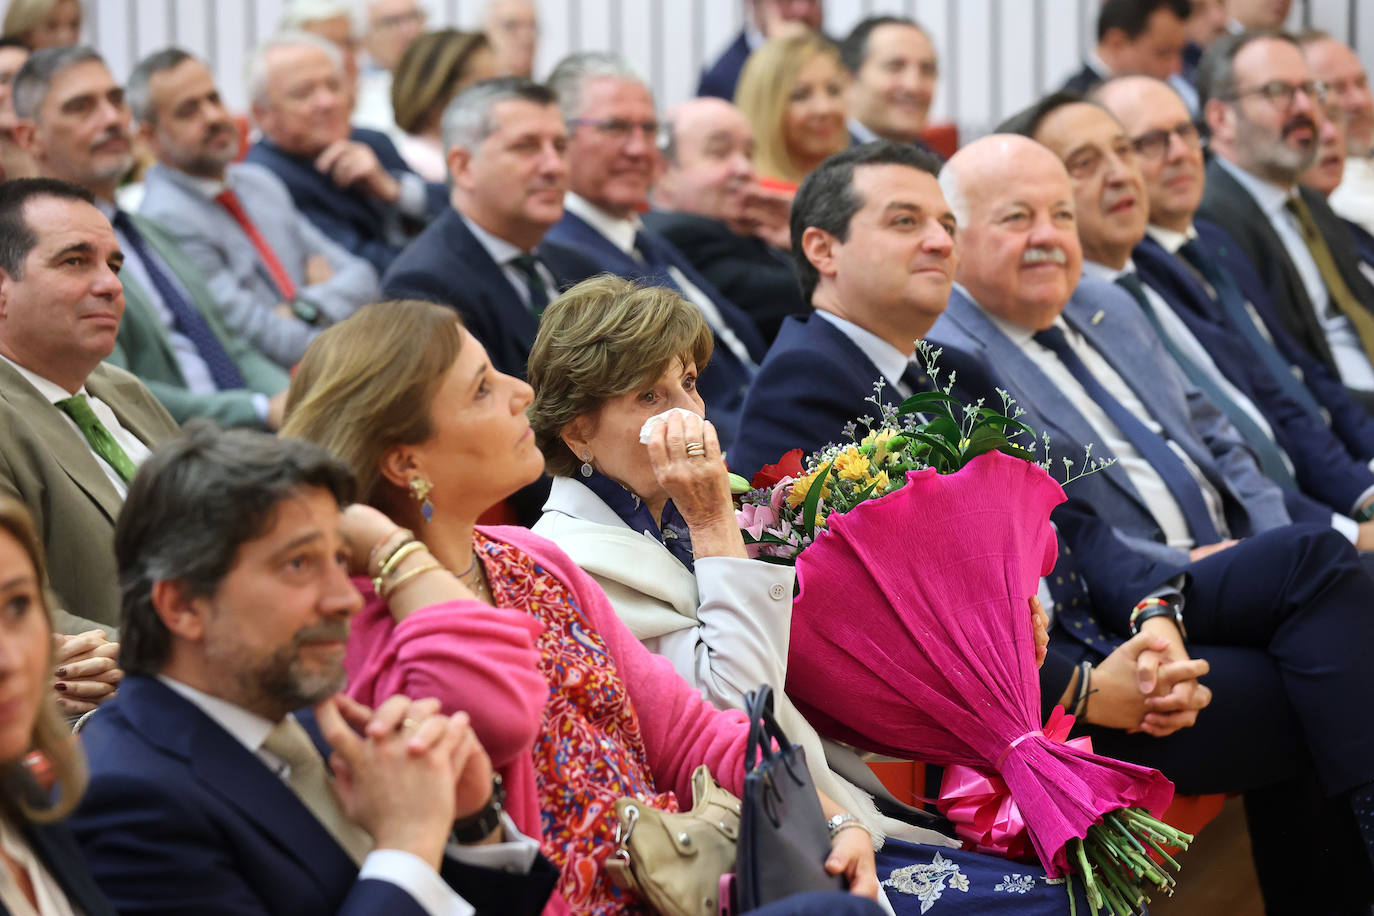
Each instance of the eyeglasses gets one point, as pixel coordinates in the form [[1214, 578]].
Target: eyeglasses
[[400, 20], [1282, 94], [619, 129], [1155, 144]]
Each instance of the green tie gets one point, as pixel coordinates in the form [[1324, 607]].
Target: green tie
[[1360, 317], [102, 443]]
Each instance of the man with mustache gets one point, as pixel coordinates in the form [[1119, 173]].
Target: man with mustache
[[486, 255], [1261, 105], [214, 786], [1347, 91], [708, 204], [1322, 482], [277, 277], [612, 162], [74, 122]]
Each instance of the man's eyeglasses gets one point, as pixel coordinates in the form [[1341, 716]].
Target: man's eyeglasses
[[1282, 94], [620, 129], [1155, 144]]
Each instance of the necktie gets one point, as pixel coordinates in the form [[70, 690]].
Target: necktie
[[285, 286], [1233, 304], [1265, 449], [1360, 317], [102, 442], [656, 257], [1153, 448], [1073, 608], [539, 293], [185, 316], [310, 781]]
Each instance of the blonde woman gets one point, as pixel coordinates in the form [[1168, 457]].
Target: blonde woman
[[792, 90], [433, 69], [41, 871], [43, 24]]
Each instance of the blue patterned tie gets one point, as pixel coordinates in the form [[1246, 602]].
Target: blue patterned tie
[[1152, 447], [185, 316], [1264, 447], [1073, 607]]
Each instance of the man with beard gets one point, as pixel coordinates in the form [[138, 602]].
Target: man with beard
[[278, 278], [1261, 106], [1347, 91], [210, 786], [74, 122]]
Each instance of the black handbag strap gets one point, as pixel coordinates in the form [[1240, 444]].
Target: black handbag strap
[[763, 728]]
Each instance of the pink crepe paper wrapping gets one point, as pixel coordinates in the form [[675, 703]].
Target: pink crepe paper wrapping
[[911, 636]]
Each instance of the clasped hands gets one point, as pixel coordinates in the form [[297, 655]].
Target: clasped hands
[[1149, 683], [87, 671]]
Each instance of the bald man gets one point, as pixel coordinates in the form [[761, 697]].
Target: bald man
[[709, 205]]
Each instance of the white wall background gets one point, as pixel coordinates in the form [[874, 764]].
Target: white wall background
[[996, 55]]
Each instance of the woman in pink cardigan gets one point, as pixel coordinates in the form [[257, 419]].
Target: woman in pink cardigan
[[498, 622]]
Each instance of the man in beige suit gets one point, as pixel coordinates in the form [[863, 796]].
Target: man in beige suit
[[72, 431]]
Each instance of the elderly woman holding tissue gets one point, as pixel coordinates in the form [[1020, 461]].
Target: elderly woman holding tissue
[[641, 501]]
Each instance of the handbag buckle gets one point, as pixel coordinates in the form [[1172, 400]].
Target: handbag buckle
[[625, 828]]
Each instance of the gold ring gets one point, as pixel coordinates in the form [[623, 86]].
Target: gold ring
[[694, 449], [410, 723]]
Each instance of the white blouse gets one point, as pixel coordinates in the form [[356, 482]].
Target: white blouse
[[52, 900]]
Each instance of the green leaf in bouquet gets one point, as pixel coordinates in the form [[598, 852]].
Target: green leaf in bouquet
[[1005, 423], [981, 440], [813, 498], [948, 455], [926, 400]]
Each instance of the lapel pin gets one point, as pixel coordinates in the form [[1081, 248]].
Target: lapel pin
[[1097, 319]]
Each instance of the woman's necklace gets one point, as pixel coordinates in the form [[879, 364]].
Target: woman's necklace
[[477, 582]]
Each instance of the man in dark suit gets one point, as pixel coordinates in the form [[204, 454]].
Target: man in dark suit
[[709, 206], [486, 255], [1142, 678], [352, 183], [764, 19], [1135, 36], [894, 70], [1323, 483], [1261, 107], [612, 162], [209, 791]]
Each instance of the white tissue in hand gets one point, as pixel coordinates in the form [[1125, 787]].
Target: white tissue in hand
[[649, 424]]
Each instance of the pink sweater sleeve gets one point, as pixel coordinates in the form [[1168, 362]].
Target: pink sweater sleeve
[[470, 656], [681, 730]]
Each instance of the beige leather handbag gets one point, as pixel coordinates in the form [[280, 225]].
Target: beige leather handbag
[[674, 860]]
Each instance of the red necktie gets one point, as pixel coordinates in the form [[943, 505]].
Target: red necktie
[[230, 201]]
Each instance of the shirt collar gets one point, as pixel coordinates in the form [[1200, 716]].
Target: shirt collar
[[861, 131], [249, 729], [1015, 332], [209, 188], [891, 362], [752, 36], [621, 232], [1098, 65], [50, 390], [1095, 271], [1268, 195], [501, 251], [1170, 240], [671, 530]]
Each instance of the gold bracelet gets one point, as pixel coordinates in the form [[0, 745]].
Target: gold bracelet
[[394, 561], [383, 549], [405, 577]]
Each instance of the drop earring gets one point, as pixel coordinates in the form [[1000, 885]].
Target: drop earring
[[586, 464], [419, 491]]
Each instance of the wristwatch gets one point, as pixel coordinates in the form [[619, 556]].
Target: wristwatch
[[477, 827], [1157, 607]]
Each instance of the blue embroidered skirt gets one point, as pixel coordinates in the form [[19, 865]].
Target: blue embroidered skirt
[[931, 879]]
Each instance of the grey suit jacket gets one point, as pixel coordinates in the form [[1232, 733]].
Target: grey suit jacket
[[47, 465], [234, 272], [1111, 323], [145, 350]]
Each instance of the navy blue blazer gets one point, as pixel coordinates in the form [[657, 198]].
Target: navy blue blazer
[[181, 818], [55, 847], [1083, 81], [1324, 469], [357, 221], [1350, 421], [724, 382], [448, 265], [720, 78]]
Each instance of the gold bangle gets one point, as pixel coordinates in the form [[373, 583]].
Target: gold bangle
[[394, 561], [383, 549], [405, 577]]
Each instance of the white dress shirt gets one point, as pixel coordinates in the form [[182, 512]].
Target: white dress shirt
[[504, 254], [1351, 361], [405, 870], [1154, 492], [891, 362], [621, 233], [1353, 199], [132, 445]]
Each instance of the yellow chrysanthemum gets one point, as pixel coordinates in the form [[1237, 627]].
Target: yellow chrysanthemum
[[882, 481], [801, 487], [851, 465], [878, 440]]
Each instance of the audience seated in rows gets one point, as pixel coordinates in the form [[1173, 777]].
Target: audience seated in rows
[[434, 68], [276, 277], [764, 19], [612, 160], [386, 28], [709, 205], [75, 123], [43, 24], [512, 27], [349, 181], [893, 71], [793, 92]]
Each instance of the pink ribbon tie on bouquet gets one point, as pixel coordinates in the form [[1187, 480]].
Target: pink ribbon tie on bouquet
[[980, 806]]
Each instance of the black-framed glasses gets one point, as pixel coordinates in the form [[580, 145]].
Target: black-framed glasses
[[620, 129], [1282, 94], [1155, 144]]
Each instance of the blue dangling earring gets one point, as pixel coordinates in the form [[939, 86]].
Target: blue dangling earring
[[419, 491]]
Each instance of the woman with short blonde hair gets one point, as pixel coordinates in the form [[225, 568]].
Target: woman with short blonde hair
[[792, 90], [433, 69]]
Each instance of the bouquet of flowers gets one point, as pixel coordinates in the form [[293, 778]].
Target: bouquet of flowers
[[918, 543]]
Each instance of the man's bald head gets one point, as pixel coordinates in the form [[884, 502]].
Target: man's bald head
[[708, 145], [1020, 254]]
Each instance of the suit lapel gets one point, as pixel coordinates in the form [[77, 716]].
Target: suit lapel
[[101, 384]]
